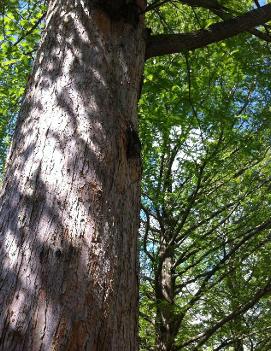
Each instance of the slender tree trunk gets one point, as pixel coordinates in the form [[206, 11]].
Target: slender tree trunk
[[234, 284], [166, 323], [70, 203]]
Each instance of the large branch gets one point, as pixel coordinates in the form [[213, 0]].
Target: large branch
[[208, 4], [225, 14], [164, 44]]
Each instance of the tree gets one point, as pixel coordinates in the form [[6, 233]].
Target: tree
[[70, 200], [205, 201], [205, 236]]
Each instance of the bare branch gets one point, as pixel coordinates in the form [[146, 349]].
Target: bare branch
[[145, 237]]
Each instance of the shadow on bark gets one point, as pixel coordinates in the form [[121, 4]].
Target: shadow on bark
[[64, 238]]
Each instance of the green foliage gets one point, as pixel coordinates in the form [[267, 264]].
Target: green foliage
[[19, 36], [205, 123]]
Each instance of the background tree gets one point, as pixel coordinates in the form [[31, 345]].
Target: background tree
[[205, 232], [69, 210]]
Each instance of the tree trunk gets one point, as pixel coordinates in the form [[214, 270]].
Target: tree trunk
[[70, 202], [166, 324], [238, 345]]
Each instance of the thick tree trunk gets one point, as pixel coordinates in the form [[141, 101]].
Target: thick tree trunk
[[70, 203]]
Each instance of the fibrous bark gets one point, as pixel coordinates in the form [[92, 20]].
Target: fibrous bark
[[166, 323], [69, 207]]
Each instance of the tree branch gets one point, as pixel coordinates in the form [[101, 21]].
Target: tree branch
[[203, 337], [225, 14], [239, 311], [212, 5], [30, 30], [164, 44], [155, 5]]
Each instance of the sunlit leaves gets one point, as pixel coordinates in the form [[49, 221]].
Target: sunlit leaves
[[18, 44], [205, 126]]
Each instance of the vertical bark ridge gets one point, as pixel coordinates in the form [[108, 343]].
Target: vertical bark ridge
[[70, 204]]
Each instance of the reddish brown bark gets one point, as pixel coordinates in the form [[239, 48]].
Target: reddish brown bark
[[69, 208]]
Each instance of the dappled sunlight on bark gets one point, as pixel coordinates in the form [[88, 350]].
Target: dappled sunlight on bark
[[69, 214]]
